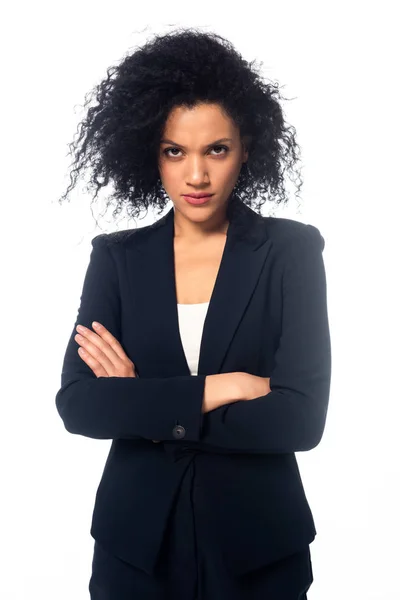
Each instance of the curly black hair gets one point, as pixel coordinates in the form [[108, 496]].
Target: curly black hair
[[121, 135]]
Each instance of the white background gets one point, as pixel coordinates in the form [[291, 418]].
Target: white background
[[338, 62]]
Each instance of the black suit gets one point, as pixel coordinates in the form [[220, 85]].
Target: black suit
[[267, 316]]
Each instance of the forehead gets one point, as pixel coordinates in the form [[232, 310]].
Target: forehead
[[202, 119]]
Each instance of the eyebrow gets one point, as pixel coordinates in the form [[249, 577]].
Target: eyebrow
[[167, 141]]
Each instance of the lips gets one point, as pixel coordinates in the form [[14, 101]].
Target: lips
[[198, 195], [202, 199]]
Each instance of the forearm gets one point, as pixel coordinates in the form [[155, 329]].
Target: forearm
[[129, 407]]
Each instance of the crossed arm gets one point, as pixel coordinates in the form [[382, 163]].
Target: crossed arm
[[104, 399]]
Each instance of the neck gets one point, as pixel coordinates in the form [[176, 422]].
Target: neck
[[198, 232]]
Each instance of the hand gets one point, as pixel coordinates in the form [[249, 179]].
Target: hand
[[253, 386], [103, 353], [226, 388]]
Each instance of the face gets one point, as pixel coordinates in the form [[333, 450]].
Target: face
[[200, 151]]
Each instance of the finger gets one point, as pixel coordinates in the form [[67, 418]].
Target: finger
[[96, 352], [109, 339], [104, 340], [96, 367]]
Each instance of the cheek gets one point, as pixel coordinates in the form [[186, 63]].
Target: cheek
[[169, 179], [232, 171], [166, 170]]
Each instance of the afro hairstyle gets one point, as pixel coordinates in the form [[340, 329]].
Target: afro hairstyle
[[119, 138]]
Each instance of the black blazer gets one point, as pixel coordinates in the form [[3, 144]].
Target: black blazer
[[267, 316]]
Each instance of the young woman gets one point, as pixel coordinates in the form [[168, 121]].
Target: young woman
[[210, 365]]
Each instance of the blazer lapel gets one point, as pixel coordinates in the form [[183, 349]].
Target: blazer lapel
[[158, 345]]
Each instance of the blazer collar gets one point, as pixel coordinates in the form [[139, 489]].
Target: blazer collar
[[154, 291]]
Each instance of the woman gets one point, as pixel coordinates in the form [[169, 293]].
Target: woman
[[210, 366]]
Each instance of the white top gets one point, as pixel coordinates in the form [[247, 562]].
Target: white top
[[191, 322]]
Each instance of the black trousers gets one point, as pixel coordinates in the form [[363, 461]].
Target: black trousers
[[190, 569]]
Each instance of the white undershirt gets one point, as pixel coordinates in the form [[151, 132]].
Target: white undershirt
[[191, 323]]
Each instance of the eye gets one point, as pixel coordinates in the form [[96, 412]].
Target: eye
[[224, 147], [167, 150]]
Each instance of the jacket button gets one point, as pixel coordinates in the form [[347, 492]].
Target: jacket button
[[179, 432]]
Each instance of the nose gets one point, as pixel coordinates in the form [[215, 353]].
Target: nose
[[197, 172]]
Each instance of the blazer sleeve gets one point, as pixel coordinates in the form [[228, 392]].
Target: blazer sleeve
[[120, 407], [291, 417]]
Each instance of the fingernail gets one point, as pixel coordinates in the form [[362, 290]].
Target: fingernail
[[96, 324]]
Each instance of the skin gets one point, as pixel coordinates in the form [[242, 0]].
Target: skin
[[194, 163]]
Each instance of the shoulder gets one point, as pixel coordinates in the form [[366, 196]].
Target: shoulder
[[122, 237], [288, 234]]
